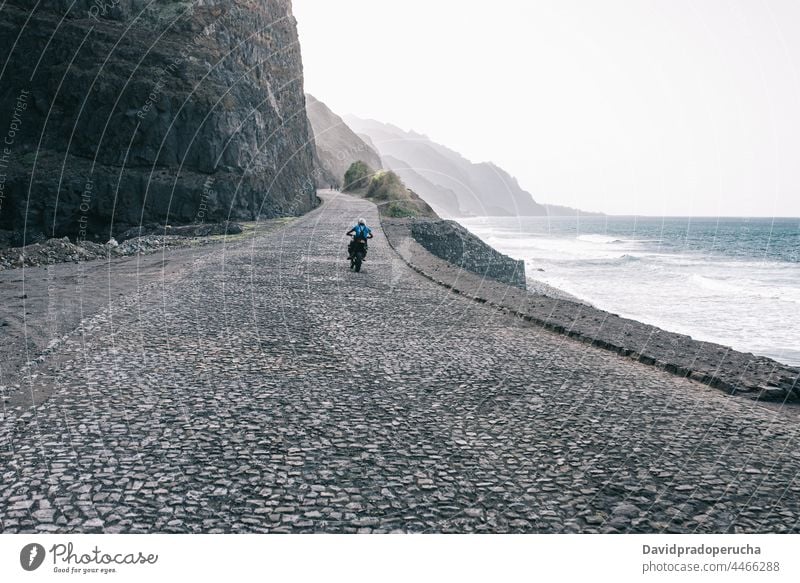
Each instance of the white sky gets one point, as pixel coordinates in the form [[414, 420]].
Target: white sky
[[660, 107]]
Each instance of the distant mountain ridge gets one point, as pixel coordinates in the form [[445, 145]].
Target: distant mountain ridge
[[452, 184]]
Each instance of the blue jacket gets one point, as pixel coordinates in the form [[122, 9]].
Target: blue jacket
[[361, 231]]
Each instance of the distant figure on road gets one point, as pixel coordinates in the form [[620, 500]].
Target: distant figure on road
[[360, 232]]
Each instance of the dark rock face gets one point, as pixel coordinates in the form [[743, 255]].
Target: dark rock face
[[450, 241], [130, 111]]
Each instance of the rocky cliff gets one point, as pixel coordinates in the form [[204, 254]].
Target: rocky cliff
[[337, 145], [121, 112]]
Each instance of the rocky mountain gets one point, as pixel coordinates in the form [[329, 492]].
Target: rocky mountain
[[443, 200], [125, 112], [337, 145], [460, 187]]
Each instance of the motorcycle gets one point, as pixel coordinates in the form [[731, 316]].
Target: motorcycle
[[358, 251]]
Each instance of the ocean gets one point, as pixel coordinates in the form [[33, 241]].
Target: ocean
[[733, 281]]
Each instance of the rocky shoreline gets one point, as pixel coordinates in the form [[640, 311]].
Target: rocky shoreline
[[721, 367]]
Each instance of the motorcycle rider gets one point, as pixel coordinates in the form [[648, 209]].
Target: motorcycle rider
[[359, 231]]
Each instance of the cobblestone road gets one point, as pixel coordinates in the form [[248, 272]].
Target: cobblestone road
[[272, 390]]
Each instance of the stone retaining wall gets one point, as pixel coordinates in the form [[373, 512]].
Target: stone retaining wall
[[450, 241]]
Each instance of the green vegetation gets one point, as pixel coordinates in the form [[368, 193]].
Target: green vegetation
[[385, 189], [394, 199], [399, 210], [386, 185], [357, 176]]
